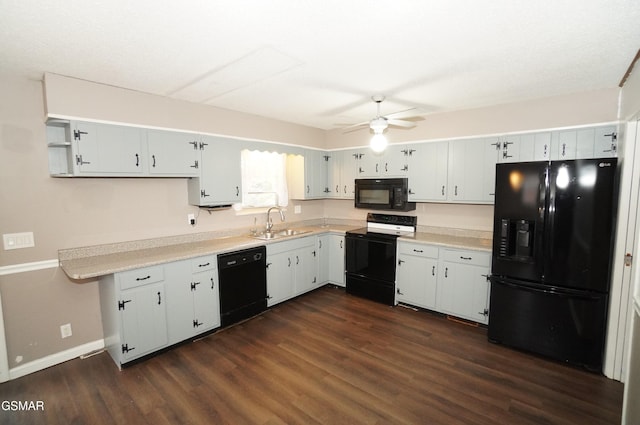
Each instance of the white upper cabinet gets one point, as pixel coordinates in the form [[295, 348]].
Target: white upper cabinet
[[367, 163], [395, 161], [606, 142], [307, 175], [173, 154], [334, 174], [516, 148], [427, 171], [564, 145], [107, 149], [349, 173], [220, 178], [471, 164], [542, 146], [390, 163], [341, 174]]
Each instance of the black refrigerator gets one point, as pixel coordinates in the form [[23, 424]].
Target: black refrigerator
[[552, 248]]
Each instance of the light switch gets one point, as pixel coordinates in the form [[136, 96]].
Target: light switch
[[18, 240]]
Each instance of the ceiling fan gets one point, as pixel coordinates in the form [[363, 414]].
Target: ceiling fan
[[380, 123]]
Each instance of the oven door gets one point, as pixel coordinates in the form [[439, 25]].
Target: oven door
[[371, 267]]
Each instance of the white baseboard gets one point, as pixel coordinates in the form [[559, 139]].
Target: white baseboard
[[55, 359]]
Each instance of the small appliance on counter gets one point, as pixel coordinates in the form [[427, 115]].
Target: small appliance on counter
[[371, 256], [383, 194]]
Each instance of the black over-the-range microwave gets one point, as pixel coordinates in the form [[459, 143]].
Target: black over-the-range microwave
[[383, 194]]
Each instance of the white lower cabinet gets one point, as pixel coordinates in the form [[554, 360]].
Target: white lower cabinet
[[331, 259], [193, 302], [449, 281], [417, 274], [463, 286], [147, 309], [134, 314], [291, 268]]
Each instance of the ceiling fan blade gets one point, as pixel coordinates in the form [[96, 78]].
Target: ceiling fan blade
[[401, 123], [352, 126], [406, 113]]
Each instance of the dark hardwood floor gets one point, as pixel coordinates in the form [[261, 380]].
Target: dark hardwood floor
[[324, 358]]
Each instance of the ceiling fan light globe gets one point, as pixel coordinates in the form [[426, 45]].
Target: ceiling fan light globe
[[378, 142]]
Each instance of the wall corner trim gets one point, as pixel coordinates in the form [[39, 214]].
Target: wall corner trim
[[54, 359]]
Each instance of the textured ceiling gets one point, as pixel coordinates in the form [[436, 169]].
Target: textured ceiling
[[317, 63]]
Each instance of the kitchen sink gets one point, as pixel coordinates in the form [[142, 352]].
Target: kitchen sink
[[266, 235]]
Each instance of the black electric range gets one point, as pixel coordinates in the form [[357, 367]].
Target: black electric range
[[371, 256]]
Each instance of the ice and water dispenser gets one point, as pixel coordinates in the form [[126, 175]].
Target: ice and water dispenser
[[516, 239]]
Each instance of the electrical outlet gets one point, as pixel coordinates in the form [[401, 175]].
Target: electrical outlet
[[65, 330], [297, 209], [191, 219]]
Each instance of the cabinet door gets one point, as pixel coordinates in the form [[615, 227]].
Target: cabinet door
[[427, 171], [466, 171], [317, 175], [585, 143], [107, 149], [336, 261], [491, 155], [305, 269], [173, 153], [143, 319], [368, 164], [206, 301], [350, 164], [324, 254], [279, 277], [606, 142], [394, 161], [334, 174], [542, 146], [566, 146], [516, 148], [307, 175], [179, 304], [220, 180], [416, 280], [463, 291]]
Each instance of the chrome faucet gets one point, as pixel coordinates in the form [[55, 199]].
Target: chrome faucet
[[269, 222]]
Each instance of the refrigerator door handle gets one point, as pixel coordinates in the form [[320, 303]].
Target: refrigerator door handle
[[544, 289]]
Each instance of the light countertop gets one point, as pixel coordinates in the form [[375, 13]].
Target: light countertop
[[451, 241], [94, 261]]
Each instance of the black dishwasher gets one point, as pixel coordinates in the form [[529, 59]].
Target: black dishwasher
[[243, 284]]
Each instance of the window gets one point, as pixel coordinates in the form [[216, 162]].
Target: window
[[264, 179]]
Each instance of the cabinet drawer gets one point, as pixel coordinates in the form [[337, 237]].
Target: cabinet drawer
[[418, 249], [475, 258], [202, 264], [291, 245], [139, 277]]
